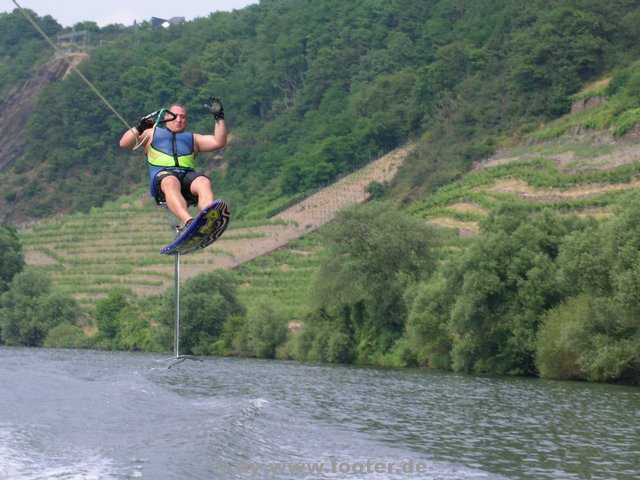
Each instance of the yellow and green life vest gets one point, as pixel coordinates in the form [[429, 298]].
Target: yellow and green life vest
[[170, 149]]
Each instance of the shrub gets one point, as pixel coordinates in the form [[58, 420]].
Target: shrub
[[588, 338], [266, 330], [30, 310], [66, 335], [560, 339], [207, 301]]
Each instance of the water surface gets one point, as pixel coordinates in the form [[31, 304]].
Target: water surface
[[68, 414]]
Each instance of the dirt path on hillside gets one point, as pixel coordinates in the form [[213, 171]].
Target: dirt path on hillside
[[304, 217], [624, 151], [239, 245]]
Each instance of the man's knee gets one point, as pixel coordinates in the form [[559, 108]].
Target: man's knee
[[169, 183], [201, 185]]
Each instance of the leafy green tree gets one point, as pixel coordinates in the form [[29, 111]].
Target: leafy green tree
[[505, 283], [564, 47], [583, 267], [589, 338], [11, 257], [123, 324], [385, 110], [233, 339], [65, 335], [561, 339], [323, 339], [89, 26], [266, 330], [30, 309], [207, 301], [135, 330], [107, 312], [427, 331], [603, 260], [603, 263], [374, 253]]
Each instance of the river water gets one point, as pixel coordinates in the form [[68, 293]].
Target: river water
[[68, 414]]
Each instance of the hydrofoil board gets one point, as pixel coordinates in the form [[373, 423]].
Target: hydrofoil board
[[205, 229]]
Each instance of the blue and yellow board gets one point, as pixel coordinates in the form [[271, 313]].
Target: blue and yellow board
[[205, 229]]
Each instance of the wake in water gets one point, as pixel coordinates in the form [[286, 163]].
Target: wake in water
[[68, 415], [28, 453]]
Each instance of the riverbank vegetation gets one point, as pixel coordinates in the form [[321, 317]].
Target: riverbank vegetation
[[543, 283], [538, 292]]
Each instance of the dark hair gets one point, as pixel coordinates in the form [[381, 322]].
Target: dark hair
[[176, 105]]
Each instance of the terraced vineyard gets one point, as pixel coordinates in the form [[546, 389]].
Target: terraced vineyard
[[586, 176], [118, 246]]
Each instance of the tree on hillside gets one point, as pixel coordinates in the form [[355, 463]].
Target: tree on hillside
[[373, 254], [486, 304], [106, 315], [123, 323], [11, 257], [30, 309], [207, 301], [599, 273], [428, 334]]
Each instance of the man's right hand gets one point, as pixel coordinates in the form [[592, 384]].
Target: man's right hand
[[146, 122]]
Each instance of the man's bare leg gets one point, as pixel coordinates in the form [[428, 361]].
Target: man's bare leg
[[202, 188], [175, 201]]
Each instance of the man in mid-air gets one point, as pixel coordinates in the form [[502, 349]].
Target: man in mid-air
[[171, 154]]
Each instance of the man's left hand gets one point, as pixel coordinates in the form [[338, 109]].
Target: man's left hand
[[214, 105]]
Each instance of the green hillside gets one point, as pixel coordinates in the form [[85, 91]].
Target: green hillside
[[89, 254], [116, 247], [312, 89], [101, 252]]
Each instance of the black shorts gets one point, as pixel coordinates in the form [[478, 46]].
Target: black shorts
[[186, 177]]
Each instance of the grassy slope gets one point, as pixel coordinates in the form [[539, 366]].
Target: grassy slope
[[587, 175], [117, 246]]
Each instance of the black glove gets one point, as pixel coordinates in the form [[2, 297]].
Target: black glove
[[146, 122], [215, 107]]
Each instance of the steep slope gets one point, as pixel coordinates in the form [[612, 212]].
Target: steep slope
[[118, 246], [18, 105], [585, 173], [17, 108]]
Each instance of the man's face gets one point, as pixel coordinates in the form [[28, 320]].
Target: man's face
[[180, 122]]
